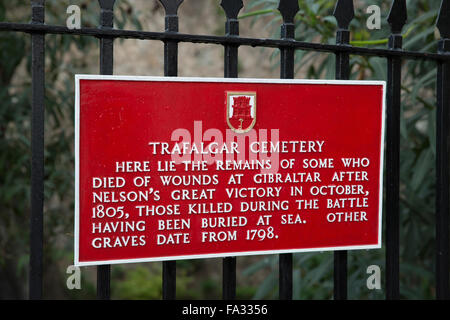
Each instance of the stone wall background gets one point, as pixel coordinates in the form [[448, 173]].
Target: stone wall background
[[138, 57]]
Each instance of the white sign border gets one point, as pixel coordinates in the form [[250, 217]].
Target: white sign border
[[79, 77]]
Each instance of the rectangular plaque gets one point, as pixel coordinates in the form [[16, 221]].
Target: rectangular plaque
[[183, 168]]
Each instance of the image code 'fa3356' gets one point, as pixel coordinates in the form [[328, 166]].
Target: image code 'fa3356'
[[183, 168]]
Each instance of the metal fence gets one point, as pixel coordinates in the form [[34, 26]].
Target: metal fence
[[344, 13]]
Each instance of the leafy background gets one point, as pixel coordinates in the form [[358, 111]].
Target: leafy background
[[200, 279]]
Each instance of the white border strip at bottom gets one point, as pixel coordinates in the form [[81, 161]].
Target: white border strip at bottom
[[224, 255]]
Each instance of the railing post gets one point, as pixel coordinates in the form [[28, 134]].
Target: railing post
[[106, 68], [231, 8], [397, 19], [344, 14], [288, 10], [171, 47], [37, 152], [170, 70], [443, 156]]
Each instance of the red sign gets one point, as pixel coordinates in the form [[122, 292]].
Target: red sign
[[182, 168]]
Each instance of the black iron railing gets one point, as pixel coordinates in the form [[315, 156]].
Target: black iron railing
[[344, 13]]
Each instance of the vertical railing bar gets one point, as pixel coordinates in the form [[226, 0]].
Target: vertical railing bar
[[231, 51], [344, 14], [169, 280], [340, 275], [393, 101], [229, 278], [170, 70], [288, 10], [397, 19], [285, 276], [171, 48], [37, 152], [442, 174], [443, 156], [231, 8], [106, 68], [340, 257], [104, 282]]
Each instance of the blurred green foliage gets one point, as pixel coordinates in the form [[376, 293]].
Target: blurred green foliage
[[313, 276], [137, 283]]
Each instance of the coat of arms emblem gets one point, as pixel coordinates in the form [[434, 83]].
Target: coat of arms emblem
[[241, 111]]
